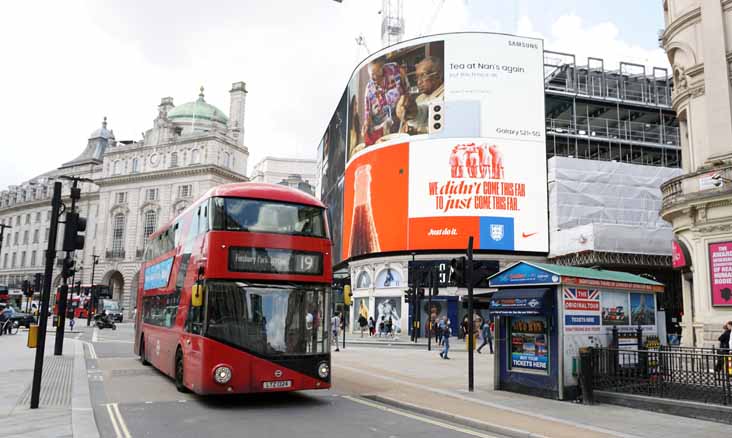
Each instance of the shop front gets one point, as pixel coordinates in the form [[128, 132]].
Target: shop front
[[545, 313]]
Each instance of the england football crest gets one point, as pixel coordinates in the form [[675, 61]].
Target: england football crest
[[497, 232]]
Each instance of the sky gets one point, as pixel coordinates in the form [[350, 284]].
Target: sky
[[66, 65]]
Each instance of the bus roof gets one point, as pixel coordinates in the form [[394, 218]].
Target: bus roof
[[251, 190]]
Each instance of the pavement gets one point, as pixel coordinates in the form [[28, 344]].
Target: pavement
[[418, 380], [64, 403]]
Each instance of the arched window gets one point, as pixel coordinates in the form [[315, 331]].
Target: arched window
[[135, 165], [363, 280], [151, 223], [117, 168], [226, 159], [174, 159], [118, 235], [195, 156]]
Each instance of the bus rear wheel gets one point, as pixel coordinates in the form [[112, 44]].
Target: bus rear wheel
[[179, 385], [143, 353]]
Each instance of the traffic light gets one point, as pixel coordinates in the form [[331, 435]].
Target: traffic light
[[408, 296], [75, 224], [347, 295], [37, 282], [68, 268], [25, 287], [457, 271], [421, 292]]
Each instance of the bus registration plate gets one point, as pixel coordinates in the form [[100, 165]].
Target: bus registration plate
[[278, 384]]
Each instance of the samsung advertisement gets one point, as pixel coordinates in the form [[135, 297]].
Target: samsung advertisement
[[445, 139]]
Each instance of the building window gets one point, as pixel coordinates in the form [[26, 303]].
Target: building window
[[25, 237], [5, 261], [27, 218], [33, 258], [151, 195], [48, 215], [184, 191], [135, 165], [48, 230], [22, 259], [35, 235], [44, 191], [38, 217], [116, 168], [226, 159], [120, 197], [33, 193], [15, 238], [17, 220], [151, 223], [13, 261], [174, 159], [118, 233], [195, 156]]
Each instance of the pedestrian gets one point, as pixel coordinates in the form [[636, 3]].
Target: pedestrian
[[382, 327], [335, 323], [362, 323], [446, 332], [389, 327], [372, 326], [724, 340], [485, 332], [71, 322], [440, 330], [463, 328]]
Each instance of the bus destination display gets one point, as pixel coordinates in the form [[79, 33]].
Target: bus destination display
[[275, 261]]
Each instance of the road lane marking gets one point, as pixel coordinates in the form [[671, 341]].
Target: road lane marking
[[419, 418], [92, 350], [95, 334], [118, 423], [114, 421]]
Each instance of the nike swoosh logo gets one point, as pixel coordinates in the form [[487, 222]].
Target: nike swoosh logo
[[525, 235]]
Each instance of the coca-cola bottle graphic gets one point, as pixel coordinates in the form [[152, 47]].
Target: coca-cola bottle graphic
[[364, 239]]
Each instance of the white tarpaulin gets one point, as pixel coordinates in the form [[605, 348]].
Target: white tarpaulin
[[607, 206]]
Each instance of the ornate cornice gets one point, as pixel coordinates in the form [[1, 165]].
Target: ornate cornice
[[30, 205], [169, 173], [674, 27], [716, 228]]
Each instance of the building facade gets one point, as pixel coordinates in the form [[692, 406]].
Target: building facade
[[137, 187], [698, 203], [296, 173]]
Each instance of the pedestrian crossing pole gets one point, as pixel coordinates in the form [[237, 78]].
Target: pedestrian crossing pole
[[45, 296], [471, 325]]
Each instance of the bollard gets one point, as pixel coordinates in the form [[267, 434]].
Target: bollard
[[33, 336], [586, 376]]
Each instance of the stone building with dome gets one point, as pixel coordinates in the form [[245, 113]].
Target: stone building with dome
[[138, 186]]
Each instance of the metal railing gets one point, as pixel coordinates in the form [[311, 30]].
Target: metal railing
[[615, 130], [695, 374]]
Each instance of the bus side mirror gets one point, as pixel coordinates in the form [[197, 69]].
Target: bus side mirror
[[197, 295]]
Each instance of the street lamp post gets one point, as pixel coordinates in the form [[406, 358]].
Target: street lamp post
[[92, 299]]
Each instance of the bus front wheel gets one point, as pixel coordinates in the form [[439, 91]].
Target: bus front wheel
[[179, 385]]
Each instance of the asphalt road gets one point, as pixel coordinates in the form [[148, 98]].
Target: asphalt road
[[131, 400]]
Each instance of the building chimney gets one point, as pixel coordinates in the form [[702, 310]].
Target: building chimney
[[238, 95]]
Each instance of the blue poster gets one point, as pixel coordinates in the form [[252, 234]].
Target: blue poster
[[582, 320], [529, 344], [523, 273], [496, 233], [157, 275]]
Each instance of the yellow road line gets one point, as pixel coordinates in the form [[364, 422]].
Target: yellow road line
[[419, 418], [114, 421], [118, 423]]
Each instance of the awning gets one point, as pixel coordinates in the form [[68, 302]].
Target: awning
[[519, 301]]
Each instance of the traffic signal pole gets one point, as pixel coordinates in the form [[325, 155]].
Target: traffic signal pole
[[45, 296], [471, 324], [92, 299], [433, 284]]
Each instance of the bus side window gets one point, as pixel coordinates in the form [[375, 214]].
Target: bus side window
[[176, 234], [193, 229], [203, 220]]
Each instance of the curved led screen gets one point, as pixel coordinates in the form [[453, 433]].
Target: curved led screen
[[437, 139]]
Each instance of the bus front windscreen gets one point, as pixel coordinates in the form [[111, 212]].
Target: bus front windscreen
[[268, 319], [239, 214]]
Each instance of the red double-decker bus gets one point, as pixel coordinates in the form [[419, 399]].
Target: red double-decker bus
[[234, 293]]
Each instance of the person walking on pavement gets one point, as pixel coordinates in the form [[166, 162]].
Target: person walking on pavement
[[440, 330], [463, 328], [362, 323], [382, 327], [372, 326], [485, 332], [335, 324], [445, 339], [724, 344]]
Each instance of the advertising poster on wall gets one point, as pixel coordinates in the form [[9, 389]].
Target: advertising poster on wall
[[389, 307], [642, 309], [720, 272], [334, 147], [614, 308], [581, 311], [388, 277], [529, 344]]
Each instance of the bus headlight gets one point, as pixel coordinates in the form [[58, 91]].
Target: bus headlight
[[323, 370], [222, 374]]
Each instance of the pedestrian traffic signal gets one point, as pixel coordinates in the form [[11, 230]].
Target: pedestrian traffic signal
[[457, 271], [347, 295], [75, 225], [68, 268]]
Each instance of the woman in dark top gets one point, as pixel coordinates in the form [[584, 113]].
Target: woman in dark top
[[723, 339]]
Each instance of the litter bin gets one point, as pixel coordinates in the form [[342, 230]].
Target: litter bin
[[33, 336]]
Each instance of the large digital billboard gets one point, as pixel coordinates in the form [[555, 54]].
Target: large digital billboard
[[445, 139]]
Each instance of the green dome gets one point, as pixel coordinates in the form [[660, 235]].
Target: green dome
[[199, 110]]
